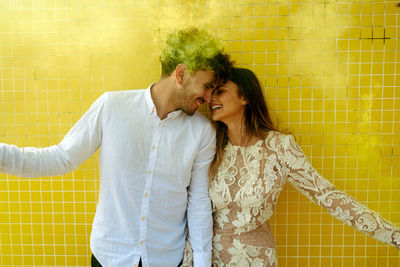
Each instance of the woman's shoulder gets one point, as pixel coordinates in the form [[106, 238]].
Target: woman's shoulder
[[279, 136], [280, 140]]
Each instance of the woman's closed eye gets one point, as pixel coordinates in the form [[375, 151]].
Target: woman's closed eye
[[218, 91]]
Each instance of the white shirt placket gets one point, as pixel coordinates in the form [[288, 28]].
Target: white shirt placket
[[147, 188]]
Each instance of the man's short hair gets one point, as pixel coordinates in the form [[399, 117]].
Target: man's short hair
[[198, 50]]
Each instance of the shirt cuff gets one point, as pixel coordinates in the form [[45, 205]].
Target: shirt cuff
[[201, 259]]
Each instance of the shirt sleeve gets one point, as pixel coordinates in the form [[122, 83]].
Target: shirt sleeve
[[79, 144], [342, 206], [199, 211]]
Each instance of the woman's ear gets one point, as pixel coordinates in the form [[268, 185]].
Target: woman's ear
[[180, 71], [244, 101]]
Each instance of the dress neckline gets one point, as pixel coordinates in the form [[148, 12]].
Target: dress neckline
[[256, 144]]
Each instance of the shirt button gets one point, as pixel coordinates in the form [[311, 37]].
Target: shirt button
[[146, 195], [141, 243], [143, 218], [149, 172], [159, 124], [153, 147]]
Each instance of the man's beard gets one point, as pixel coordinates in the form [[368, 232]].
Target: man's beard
[[184, 102], [187, 110]]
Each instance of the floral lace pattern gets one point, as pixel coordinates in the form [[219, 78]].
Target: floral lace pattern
[[245, 192]]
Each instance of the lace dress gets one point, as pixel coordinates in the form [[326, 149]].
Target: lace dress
[[244, 195]]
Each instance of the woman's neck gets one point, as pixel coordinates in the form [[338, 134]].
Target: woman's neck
[[239, 136]]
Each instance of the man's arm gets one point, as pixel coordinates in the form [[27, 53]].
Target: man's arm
[[199, 204], [78, 145]]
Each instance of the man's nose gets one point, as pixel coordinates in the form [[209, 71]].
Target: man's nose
[[207, 96]]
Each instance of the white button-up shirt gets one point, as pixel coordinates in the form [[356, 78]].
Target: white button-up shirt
[[153, 178]]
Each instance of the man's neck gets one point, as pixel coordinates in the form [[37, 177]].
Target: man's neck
[[162, 94]]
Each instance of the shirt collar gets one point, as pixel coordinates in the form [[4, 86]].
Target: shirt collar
[[150, 104]]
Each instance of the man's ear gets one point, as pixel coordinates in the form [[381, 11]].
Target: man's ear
[[180, 72]]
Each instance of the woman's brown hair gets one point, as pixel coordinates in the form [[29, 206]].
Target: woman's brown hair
[[257, 119]]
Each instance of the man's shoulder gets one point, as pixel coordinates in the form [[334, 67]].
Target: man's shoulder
[[124, 97], [199, 119], [125, 93], [200, 125]]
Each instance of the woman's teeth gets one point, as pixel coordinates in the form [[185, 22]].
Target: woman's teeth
[[216, 107]]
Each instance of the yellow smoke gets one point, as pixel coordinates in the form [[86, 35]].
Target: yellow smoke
[[314, 31]]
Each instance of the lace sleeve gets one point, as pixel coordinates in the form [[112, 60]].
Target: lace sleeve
[[305, 179]]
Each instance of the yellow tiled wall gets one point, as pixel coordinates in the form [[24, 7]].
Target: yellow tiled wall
[[331, 76]]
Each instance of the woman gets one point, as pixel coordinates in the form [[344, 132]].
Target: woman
[[252, 164]]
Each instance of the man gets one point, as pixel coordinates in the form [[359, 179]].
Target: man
[[155, 151]]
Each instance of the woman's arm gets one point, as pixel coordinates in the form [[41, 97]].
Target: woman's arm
[[305, 179]]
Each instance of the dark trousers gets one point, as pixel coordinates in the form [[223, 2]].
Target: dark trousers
[[96, 263]]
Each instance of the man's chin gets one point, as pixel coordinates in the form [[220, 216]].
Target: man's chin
[[188, 111]]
